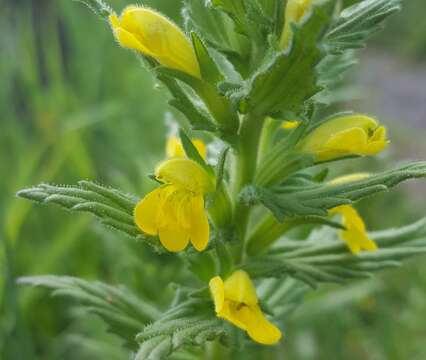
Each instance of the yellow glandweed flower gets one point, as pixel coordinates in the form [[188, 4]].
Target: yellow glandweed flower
[[290, 125], [147, 31], [345, 136], [235, 300], [294, 12], [174, 148], [355, 235], [175, 211]]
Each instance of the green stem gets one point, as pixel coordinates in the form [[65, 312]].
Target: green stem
[[216, 351], [244, 172], [267, 232], [269, 130]]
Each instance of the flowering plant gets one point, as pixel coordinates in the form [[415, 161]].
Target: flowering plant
[[256, 79]]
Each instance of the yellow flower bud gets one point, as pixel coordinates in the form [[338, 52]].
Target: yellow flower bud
[[294, 12], [147, 31], [345, 136], [235, 300], [175, 211], [174, 148]]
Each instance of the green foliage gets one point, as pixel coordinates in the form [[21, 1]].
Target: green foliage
[[288, 78], [216, 29], [112, 207], [97, 6], [188, 324], [323, 257], [299, 196], [358, 22], [122, 311], [198, 118], [192, 152]]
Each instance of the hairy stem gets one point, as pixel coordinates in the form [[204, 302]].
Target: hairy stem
[[244, 172]]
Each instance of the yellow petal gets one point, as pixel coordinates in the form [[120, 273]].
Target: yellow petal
[[201, 147], [353, 140], [239, 288], [294, 12], [348, 142], [173, 237], [200, 231], [355, 235], [128, 40], [231, 312], [146, 212], [258, 327], [217, 289], [185, 173], [174, 147], [378, 141], [157, 37]]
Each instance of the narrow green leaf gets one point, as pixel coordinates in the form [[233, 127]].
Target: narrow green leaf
[[209, 70], [189, 324], [192, 152], [358, 22], [326, 258], [112, 207], [123, 312], [293, 200]]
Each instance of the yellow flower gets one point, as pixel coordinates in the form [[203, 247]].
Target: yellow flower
[[175, 211], [355, 235], [289, 125], [174, 148], [345, 136], [147, 31], [294, 12], [235, 300]]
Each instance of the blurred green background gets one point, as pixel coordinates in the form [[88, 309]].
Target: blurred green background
[[73, 106]]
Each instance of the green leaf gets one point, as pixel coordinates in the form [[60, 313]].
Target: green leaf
[[219, 107], [297, 197], [196, 116], [192, 152], [282, 296], [325, 258], [269, 230], [189, 324], [112, 207], [209, 69], [217, 29], [289, 77], [122, 311], [350, 31], [99, 7], [220, 167], [358, 22], [331, 72]]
